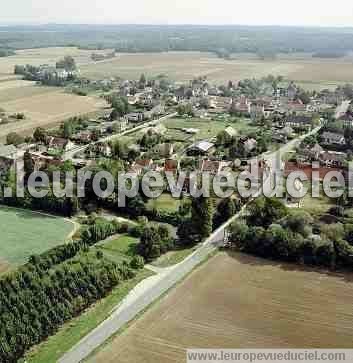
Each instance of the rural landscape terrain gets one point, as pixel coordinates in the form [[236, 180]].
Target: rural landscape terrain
[[105, 275], [202, 313]]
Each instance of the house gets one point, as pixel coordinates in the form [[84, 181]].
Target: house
[[332, 158], [99, 148], [135, 117], [347, 120], [291, 91], [257, 109], [202, 147], [84, 136], [165, 150], [145, 163], [249, 144], [212, 167], [10, 158], [296, 106], [242, 105], [299, 122], [333, 138], [315, 151], [171, 165], [58, 143]]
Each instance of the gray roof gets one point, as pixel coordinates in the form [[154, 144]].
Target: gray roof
[[7, 151], [203, 145]]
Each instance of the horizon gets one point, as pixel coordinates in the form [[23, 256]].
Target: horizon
[[196, 12]]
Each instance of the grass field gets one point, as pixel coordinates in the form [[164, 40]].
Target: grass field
[[207, 128], [123, 247], [24, 233], [239, 301], [164, 203]]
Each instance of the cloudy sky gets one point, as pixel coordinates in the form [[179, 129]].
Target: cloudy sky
[[255, 12]]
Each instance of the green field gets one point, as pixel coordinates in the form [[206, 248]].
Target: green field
[[165, 203], [122, 247], [207, 128], [24, 233]]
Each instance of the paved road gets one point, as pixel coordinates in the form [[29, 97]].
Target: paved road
[[69, 155], [167, 280]]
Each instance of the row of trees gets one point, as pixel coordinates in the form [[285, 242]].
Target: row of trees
[[271, 231], [36, 301]]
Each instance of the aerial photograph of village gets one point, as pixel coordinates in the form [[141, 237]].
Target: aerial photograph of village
[[176, 181]]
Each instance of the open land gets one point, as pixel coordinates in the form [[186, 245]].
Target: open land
[[183, 66], [258, 304], [43, 106], [25, 233]]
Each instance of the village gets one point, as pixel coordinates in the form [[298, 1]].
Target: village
[[162, 126]]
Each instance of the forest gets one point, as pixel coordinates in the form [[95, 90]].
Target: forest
[[223, 40]]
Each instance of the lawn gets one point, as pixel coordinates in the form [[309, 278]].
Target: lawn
[[165, 203], [121, 247], [24, 233], [207, 128], [173, 257]]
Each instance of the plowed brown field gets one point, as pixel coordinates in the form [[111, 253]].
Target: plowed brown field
[[240, 302]]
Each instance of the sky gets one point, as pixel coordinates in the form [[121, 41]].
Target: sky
[[250, 12]]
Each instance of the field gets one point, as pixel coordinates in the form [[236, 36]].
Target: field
[[207, 128], [121, 248], [38, 56], [183, 66], [42, 106], [24, 233], [238, 301], [165, 203]]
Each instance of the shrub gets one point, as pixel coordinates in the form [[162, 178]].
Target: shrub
[[137, 262]]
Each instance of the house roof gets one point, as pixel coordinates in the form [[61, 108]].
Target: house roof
[[203, 145], [332, 156], [231, 131], [333, 136], [317, 148], [299, 119], [171, 165]]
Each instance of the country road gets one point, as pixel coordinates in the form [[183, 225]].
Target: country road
[[166, 280]]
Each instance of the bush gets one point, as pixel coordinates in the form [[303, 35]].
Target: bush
[[137, 263]]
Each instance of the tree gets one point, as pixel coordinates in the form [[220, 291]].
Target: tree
[[226, 209], [68, 129], [205, 103], [150, 246], [265, 211], [68, 63], [142, 81], [39, 134], [201, 216], [14, 139], [28, 164], [137, 262]]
